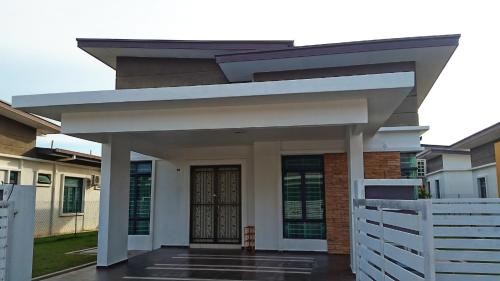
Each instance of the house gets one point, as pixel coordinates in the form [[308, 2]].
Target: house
[[468, 168], [66, 198], [249, 133]]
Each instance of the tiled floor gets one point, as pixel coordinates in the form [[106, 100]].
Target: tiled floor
[[228, 265]]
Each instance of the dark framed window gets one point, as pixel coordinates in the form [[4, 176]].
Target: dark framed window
[[140, 198], [14, 177], [481, 183], [438, 189], [303, 197], [43, 179], [408, 164], [73, 195]]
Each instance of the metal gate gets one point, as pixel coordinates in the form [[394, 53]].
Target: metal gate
[[215, 204]]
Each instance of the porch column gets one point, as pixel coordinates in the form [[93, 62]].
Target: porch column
[[355, 167], [113, 205]]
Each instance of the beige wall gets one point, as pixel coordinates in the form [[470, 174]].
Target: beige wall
[[15, 138], [49, 219]]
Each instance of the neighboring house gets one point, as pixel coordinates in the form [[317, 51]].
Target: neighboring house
[[467, 169], [248, 133], [66, 197]]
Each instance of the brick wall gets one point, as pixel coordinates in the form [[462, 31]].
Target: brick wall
[[377, 165], [382, 165], [337, 203]]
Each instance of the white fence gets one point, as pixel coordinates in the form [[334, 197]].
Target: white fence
[[444, 240], [5, 217]]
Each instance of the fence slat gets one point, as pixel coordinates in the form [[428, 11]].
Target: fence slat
[[371, 256], [373, 243], [460, 231], [466, 220], [368, 214], [466, 208], [370, 270], [404, 238], [409, 221], [490, 256], [400, 273], [463, 243], [458, 277], [406, 257], [369, 228], [468, 267]]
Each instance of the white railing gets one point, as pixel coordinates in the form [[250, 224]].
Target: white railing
[[5, 218], [438, 239]]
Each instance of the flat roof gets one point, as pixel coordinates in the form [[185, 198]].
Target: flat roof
[[344, 47], [107, 50], [489, 134]]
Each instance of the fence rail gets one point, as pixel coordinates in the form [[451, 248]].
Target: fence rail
[[5, 217], [438, 239]]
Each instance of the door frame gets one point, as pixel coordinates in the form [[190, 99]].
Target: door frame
[[242, 206]]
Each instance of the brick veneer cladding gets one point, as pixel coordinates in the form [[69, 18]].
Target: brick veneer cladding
[[337, 203], [377, 165]]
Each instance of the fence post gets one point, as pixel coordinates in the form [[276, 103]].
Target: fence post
[[427, 228]]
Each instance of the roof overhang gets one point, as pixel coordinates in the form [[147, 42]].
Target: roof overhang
[[431, 152], [301, 102], [42, 126], [490, 134], [107, 50], [430, 55]]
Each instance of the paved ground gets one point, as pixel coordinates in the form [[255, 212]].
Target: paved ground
[[228, 265]]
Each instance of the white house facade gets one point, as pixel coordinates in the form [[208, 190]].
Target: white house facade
[[248, 133]]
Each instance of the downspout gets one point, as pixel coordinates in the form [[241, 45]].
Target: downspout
[[52, 195]]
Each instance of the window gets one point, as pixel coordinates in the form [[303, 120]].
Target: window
[[43, 179], [14, 177], [303, 197], [140, 198], [73, 195], [438, 190], [429, 186], [420, 168], [408, 164], [481, 184]]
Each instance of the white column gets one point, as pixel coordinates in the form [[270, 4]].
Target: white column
[[354, 147], [113, 205], [268, 231]]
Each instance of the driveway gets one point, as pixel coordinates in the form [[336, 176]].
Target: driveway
[[229, 265]]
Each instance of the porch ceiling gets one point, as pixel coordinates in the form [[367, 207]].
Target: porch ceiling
[[162, 144]]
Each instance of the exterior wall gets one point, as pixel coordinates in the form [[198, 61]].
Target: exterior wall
[[482, 155], [434, 164], [49, 219], [405, 115], [490, 173], [382, 165], [15, 138], [456, 162], [497, 161], [337, 203], [134, 73]]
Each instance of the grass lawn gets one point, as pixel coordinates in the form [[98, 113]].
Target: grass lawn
[[49, 252]]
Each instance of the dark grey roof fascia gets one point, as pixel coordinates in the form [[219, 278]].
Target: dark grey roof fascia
[[346, 47], [184, 44], [478, 135]]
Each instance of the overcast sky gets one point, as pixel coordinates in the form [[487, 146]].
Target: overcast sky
[[38, 52]]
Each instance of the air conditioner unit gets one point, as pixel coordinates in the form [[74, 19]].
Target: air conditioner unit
[[96, 180]]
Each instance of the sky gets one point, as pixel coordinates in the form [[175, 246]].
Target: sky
[[38, 52]]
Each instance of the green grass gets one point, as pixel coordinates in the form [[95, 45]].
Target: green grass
[[49, 253]]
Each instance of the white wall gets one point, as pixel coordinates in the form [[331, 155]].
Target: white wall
[[490, 173]]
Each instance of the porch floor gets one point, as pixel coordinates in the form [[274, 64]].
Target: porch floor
[[208, 265]]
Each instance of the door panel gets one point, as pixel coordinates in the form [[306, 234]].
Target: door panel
[[216, 204]]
